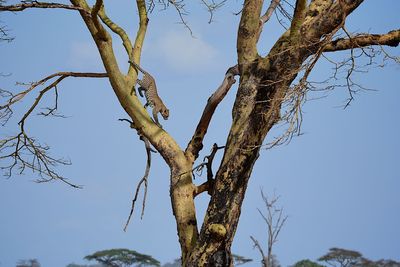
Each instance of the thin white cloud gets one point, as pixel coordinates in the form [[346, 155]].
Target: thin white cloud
[[184, 53]]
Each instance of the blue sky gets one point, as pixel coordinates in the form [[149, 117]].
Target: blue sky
[[338, 182]]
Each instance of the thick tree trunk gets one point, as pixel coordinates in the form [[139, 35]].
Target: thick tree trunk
[[253, 118]]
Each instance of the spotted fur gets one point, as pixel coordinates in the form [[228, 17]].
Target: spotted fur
[[148, 86]]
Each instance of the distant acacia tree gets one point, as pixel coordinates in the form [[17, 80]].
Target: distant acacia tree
[[307, 263], [122, 258], [339, 257], [273, 85]]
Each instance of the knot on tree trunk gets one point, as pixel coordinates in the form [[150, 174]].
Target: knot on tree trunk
[[217, 231]]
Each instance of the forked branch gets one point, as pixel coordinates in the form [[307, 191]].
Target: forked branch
[[117, 30], [101, 32], [24, 152]]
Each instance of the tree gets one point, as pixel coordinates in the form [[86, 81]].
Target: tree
[[341, 257], [349, 258], [122, 257], [271, 89], [307, 263], [274, 220]]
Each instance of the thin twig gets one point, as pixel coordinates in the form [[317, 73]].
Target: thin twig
[[144, 179], [24, 152]]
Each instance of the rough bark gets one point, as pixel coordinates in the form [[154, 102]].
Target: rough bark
[[263, 85]]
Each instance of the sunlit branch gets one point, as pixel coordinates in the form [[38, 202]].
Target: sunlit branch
[[117, 30], [140, 35], [95, 12], [35, 4], [391, 38]]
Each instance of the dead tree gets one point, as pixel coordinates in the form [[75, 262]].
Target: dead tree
[[274, 219]]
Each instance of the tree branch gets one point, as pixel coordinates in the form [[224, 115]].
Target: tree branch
[[140, 35], [298, 19], [270, 10], [259, 248], [267, 15], [196, 143], [102, 33], [15, 98], [24, 152], [248, 33], [209, 184], [144, 179], [117, 30], [391, 38], [35, 4]]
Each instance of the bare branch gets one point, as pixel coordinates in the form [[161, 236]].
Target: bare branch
[[144, 179], [35, 4], [270, 10], [180, 9], [267, 15], [211, 7], [204, 187], [275, 220], [207, 161], [24, 152], [4, 36], [196, 143], [12, 99], [259, 248], [391, 38]]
